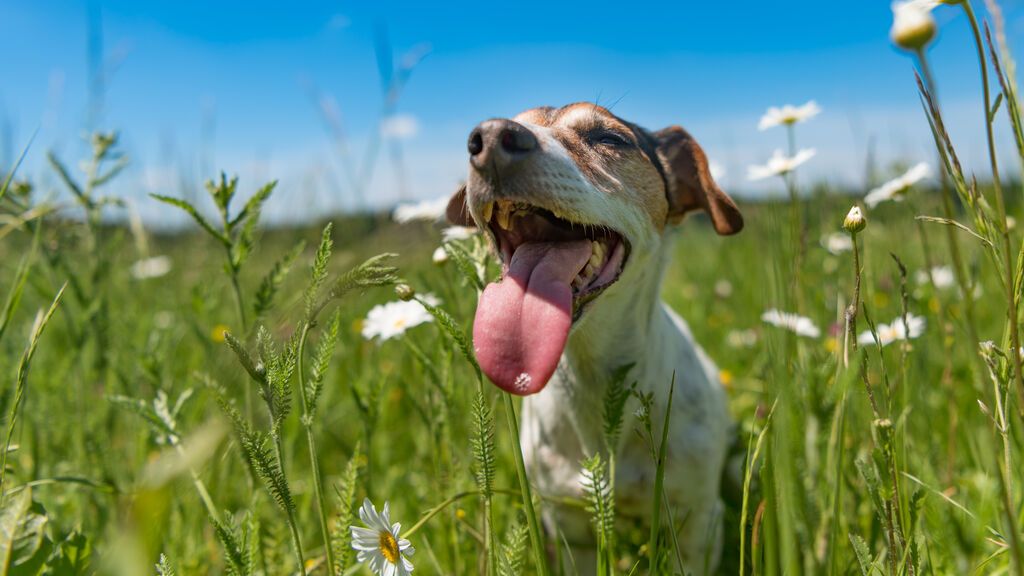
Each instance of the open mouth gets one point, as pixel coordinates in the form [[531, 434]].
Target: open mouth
[[515, 223], [552, 268]]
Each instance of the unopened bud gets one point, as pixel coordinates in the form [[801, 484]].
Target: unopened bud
[[405, 292], [855, 220], [912, 24], [440, 256]]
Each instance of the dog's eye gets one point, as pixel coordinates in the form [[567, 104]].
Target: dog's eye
[[607, 138]]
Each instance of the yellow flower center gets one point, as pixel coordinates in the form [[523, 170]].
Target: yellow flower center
[[389, 547]]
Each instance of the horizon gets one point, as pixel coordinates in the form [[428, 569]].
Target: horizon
[[194, 90]]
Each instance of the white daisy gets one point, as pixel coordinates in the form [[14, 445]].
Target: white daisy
[[837, 243], [896, 330], [788, 115], [387, 321], [154, 267], [458, 233], [379, 544], [942, 276], [431, 210], [800, 325], [780, 164], [896, 188]]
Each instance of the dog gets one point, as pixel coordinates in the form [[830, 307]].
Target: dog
[[580, 207]]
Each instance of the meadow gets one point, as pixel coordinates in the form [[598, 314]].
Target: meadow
[[221, 399]]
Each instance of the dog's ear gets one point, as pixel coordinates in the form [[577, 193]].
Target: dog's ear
[[690, 185], [458, 212]]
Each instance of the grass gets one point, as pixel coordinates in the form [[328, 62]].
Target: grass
[[229, 417]]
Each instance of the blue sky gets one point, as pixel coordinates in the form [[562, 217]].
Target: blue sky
[[198, 86]]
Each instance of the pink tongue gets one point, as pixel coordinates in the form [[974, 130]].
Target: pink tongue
[[523, 321]]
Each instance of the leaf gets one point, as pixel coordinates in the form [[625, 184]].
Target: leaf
[[191, 211], [341, 536], [449, 327], [21, 158], [65, 177], [271, 283], [255, 369], [319, 270], [116, 169], [464, 263], [163, 566], [254, 205], [17, 288], [860, 549], [485, 465], [145, 411], [615, 397], [956, 224], [510, 559], [24, 546], [321, 361]]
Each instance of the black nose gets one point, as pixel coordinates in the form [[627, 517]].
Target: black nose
[[501, 141]]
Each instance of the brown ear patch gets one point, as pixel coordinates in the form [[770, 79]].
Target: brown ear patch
[[690, 185], [457, 211]]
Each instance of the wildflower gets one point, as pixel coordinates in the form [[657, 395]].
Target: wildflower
[[723, 288], [895, 189], [940, 276], [780, 164], [387, 321], [154, 267], [440, 255], [788, 115], [912, 24], [458, 233], [217, 334], [431, 210], [379, 544], [741, 338], [726, 377], [837, 243], [855, 221], [896, 330], [800, 325]]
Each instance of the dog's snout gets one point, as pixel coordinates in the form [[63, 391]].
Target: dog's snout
[[498, 143]]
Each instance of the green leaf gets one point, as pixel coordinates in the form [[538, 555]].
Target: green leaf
[[615, 397], [65, 177], [17, 288], [860, 549], [14, 170], [510, 559], [163, 566], [271, 283], [191, 211], [255, 369], [341, 536], [449, 327], [116, 169], [321, 361], [24, 546], [319, 271], [485, 465], [254, 205], [464, 263]]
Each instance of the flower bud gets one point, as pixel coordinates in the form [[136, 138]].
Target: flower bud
[[855, 220], [912, 24], [440, 256], [405, 292]]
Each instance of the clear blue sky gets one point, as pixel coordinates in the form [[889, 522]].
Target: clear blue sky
[[245, 68]]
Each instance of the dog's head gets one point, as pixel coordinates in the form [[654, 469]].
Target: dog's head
[[571, 199]]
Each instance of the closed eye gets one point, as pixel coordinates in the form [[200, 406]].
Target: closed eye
[[609, 138]]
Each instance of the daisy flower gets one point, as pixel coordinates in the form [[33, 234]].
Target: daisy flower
[[788, 115], [458, 233], [387, 321], [896, 188], [379, 544], [154, 267], [942, 276], [430, 210], [800, 325], [896, 330], [837, 243], [780, 164]]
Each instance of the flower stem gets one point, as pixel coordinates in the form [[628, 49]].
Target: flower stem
[[524, 487], [314, 461]]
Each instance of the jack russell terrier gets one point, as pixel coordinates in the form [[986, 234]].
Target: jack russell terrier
[[580, 206]]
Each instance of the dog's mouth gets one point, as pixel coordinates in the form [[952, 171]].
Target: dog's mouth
[[552, 268]]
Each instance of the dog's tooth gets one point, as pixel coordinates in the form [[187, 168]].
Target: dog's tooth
[[488, 211], [503, 219]]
